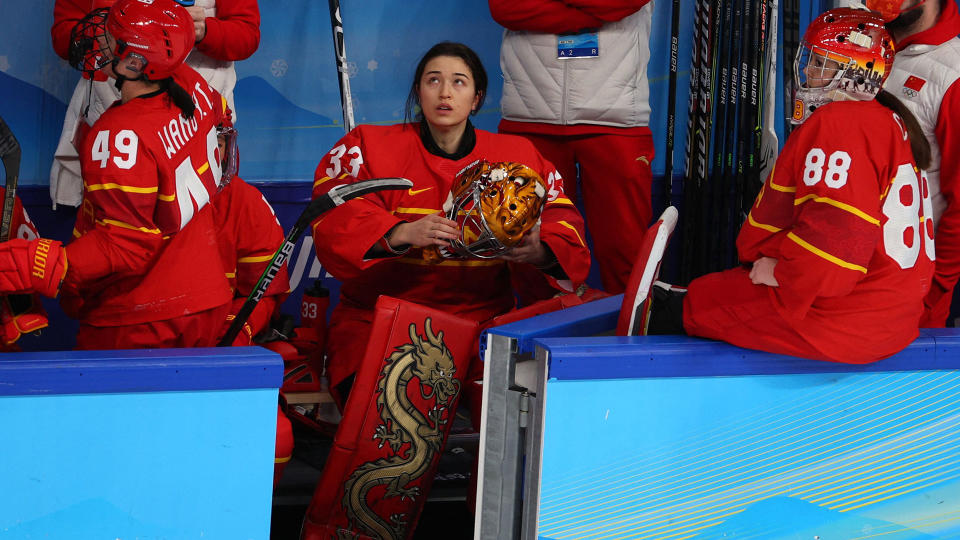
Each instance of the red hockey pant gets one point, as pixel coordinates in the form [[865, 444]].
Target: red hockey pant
[[194, 330], [727, 306], [615, 180]]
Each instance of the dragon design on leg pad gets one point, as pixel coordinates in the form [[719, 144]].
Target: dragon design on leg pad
[[413, 438]]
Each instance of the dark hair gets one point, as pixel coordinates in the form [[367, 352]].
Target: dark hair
[[178, 96], [918, 142], [447, 48]]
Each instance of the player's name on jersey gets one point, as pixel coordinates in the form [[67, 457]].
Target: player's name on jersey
[[179, 130]]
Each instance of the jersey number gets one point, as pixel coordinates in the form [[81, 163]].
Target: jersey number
[[835, 175], [908, 208], [336, 155], [125, 143], [190, 188]]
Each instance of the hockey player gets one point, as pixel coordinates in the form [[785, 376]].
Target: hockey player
[[839, 238], [926, 77], [223, 32], [143, 268], [248, 235], [373, 245]]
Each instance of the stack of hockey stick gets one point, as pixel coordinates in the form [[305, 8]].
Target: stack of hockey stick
[[731, 141]]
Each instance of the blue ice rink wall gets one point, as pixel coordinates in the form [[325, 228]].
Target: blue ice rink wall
[[676, 437], [138, 444]]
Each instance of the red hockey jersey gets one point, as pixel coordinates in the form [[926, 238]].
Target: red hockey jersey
[[476, 288], [249, 234], [845, 213], [148, 173]]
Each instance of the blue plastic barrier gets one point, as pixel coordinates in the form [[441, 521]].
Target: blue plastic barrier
[[679, 437], [175, 443]]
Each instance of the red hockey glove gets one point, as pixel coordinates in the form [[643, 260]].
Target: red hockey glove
[[32, 266], [245, 337], [20, 315]]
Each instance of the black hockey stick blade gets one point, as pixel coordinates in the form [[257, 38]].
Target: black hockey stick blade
[[328, 201], [10, 155]]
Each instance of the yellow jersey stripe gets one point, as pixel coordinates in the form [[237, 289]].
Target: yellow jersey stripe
[[123, 225], [262, 258], [562, 200], [281, 459], [203, 168], [230, 275], [823, 254], [320, 181], [167, 198], [76, 233], [759, 225], [575, 231], [843, 206], [126, 189], [402, 210]]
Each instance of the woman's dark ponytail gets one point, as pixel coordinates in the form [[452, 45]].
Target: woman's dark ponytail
[[918, 142], [179, 97]]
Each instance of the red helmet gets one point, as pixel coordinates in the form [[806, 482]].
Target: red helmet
[[846, 54], [153, 37]]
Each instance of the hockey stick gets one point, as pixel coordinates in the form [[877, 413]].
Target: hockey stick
[[791, 42], [10, 155], [346, 99], [768, 143], [328, 201], [689, 185], [671, 103]]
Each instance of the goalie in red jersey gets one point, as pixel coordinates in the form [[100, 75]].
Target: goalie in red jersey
[[143, 268], [373, 244], [839, 242]]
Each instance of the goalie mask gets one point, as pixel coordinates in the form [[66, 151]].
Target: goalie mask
[[846, 54], [88, 40], [494, 205]]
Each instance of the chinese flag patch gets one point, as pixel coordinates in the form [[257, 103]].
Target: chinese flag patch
[[914, 83]]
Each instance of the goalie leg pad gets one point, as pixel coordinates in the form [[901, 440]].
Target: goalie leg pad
[[395, 426], [635, 310]]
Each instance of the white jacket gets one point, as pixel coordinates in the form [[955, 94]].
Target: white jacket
[[938, 67], [609, 90]]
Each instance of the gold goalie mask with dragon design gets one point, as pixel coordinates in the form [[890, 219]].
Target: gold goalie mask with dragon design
[[494, 205]]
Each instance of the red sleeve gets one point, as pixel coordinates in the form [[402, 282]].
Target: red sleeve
[[248, 235], [558, 16], [947, 239], [345, 234], [121, 190], [234, 34], [562, 229], [20, 224], [609, 10], [66, 14], [552, 16], [258, 236]]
